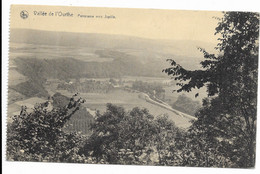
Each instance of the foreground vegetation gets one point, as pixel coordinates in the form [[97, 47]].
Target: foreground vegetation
[[228, 117], [224, 135], [117, 137]]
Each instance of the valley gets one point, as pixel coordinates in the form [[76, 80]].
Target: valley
[[102, 69]]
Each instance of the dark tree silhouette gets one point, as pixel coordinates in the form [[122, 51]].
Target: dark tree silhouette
[[231, 81]]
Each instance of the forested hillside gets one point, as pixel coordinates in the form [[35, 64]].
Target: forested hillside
[[71, 68]]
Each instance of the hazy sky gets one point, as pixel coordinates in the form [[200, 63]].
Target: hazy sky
[[148, 23]]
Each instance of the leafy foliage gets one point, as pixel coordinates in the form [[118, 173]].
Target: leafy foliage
[[231, 77], [117, 137], [133, 137], [38, 135], [186, 105]]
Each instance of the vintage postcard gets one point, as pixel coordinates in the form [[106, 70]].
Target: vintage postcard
[[132, 86]]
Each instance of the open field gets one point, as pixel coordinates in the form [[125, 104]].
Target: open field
[[117, 96], [15, 78], [128, 100], [24, 50], [15, 108], [96, 53]]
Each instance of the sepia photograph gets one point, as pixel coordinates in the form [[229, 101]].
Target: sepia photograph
[[151, 87]]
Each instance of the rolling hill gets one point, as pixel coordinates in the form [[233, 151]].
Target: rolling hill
[[39, 55], [142, 48]]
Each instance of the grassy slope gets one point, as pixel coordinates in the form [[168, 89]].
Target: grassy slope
[[128, 101]]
